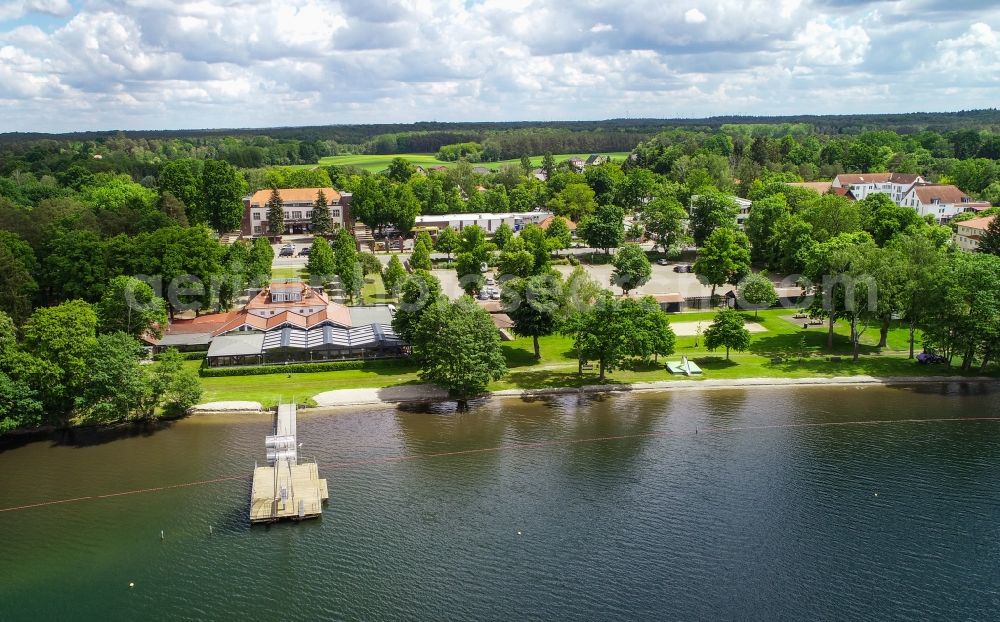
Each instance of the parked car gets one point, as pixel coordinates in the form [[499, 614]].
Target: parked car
[[495, 294], [930, 358], [286, 252], [490, 281], [662, 261], [304, 251], [483, 267], [680, 268], [484, 294], [689, 268]]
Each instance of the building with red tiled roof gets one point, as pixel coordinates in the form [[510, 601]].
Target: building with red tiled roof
[[288, 322], [298, 208], [862, 184], [969, 232]]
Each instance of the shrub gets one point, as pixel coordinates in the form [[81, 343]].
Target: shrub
[[301, 368]]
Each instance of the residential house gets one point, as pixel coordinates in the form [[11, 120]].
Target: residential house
[[298, 208], [576, 164], [969, 232], [595, 160]]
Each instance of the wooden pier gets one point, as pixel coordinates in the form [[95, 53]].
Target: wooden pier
[[286, 488]]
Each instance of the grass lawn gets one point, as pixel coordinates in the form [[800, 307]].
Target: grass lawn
[[375, 163], [288, 273], [374, 292], [802, 352]]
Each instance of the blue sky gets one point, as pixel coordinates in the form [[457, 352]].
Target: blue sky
[[153, 64]]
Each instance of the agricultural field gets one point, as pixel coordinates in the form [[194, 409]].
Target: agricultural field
[[375, 163]]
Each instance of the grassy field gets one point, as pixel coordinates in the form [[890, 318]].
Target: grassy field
[[375, 163], [802, 352]]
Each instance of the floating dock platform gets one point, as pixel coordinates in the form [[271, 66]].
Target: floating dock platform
[[287, 488]]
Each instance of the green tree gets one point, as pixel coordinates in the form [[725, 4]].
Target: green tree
[[421, 257], [538, 244], [548, 165], [404, 208], [882, 218], [259, 263], [652, 335], [369, 264], [924, 265], [574, 201], [115, 387], [990, 240], [458, 348], [174, 388], [760, 226], [63, 335], [631, 268], [664, 220], [129, 305], [222, 189], [790, 243], [20, 406], [400, 170], [830, 215], [322, 265], [601, 332], [393, 276], [74, 266], [275, 213], [724, 258], [727, 331], [17, 285], [418, 291], [502, 235], [526, 166], [605, 229], [711, 210], [320, 222], [182, 180], [173, 208], [533, 304], [515, 260], [560, 237], [447, 241], [757, 291]]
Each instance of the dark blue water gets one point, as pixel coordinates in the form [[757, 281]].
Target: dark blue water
[[755, 504]]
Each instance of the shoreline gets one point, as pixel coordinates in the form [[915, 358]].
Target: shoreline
[[332, 401]]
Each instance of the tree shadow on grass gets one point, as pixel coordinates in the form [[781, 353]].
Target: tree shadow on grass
[[517, 357], [806, 342], [710, 363], [551, 379]]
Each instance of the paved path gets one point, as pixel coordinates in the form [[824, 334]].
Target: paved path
[[230, 406], [690, 329], [387, 395]]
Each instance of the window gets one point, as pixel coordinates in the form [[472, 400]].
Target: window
[[335, 213], [258, 230], [296, 215], [256, 215], [288, 215], [309, 214]]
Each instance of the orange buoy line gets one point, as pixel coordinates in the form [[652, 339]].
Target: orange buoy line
[[514, 446]]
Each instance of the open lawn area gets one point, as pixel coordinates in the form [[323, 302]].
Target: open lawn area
[[375, 163], [802, 352]]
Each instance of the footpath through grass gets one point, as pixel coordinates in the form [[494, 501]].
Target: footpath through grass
[[803, 354]]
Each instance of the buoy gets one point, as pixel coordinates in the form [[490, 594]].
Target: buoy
[[161, 534], [130, 584], [876, 494], [519, 533], [210, 530]]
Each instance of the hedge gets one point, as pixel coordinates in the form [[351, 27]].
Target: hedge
[[185, 356], [301, 368]]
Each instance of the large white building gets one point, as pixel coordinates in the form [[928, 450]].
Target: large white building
[[488, 222], [942, 201], [896, 185]]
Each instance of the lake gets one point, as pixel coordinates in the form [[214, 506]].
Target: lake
[[825, 503]]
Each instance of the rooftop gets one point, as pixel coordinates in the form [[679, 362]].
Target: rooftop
[[294, 195], [977, 223], [944, 193]]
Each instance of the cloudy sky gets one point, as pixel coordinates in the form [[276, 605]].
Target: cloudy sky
[[152, 64]]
